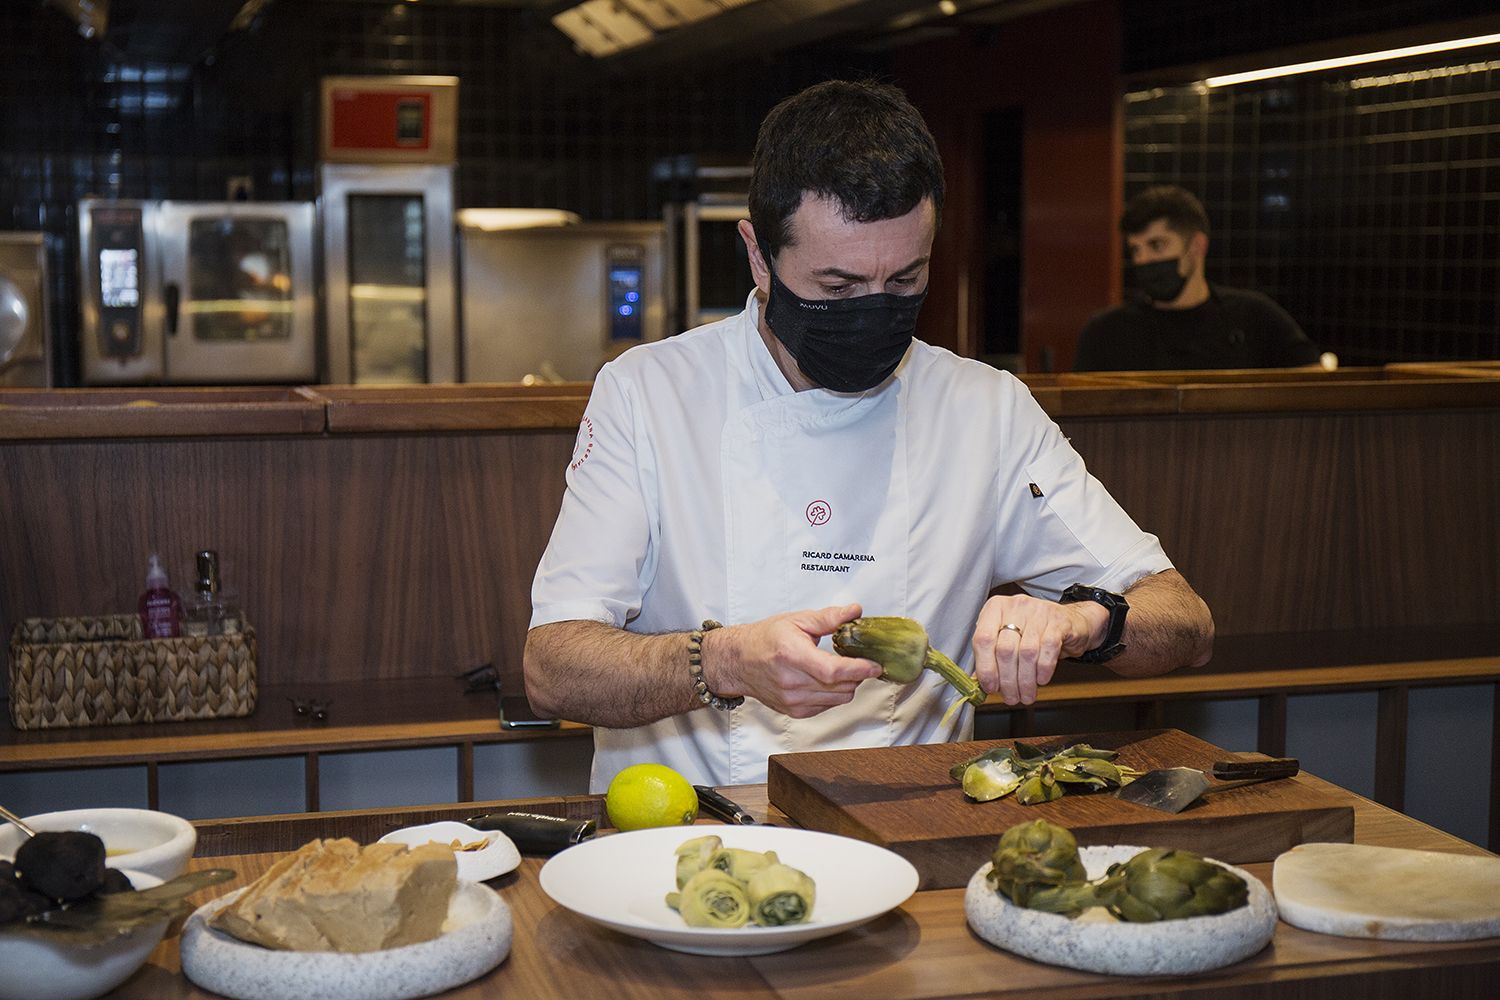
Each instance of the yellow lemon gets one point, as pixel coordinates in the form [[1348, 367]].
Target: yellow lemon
[[646, 795]]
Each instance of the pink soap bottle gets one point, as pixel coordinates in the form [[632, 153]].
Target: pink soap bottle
[[161, 610]]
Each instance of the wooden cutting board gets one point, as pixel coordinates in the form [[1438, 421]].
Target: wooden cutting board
[[902, 798]]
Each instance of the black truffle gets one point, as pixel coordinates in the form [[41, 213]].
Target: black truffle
[[115, 881], [65, 865], [7, 871]]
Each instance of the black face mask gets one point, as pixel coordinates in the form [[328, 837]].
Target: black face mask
[[1160, 280], [847, 345]]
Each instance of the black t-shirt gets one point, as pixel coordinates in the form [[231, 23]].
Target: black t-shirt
[[1232, 329]]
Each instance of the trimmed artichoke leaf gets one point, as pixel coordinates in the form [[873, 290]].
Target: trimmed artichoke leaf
[[998, 755], [987, 780]]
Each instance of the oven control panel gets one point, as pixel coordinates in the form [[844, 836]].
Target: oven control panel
[[625, 272], [117, 252]]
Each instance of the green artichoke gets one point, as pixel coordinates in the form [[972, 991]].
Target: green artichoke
[[901, 648], [1036, 865], [1162, 884]]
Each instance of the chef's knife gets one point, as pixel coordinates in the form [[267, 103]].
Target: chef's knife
[[717, 805], [1173, 789]]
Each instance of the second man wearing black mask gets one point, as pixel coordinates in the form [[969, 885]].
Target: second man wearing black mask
[[1178, 319]]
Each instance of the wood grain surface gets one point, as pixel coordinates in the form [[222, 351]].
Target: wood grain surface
[[361, 557], [1314, 522], [923, 950], [902, 798]]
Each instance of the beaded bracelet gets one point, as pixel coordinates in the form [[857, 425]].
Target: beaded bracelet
[[695, 667]]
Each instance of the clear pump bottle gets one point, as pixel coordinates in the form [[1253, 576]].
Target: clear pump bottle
[[211, 609]]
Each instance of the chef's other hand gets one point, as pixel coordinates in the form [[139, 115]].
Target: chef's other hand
[[1016, 663], [777, 662]]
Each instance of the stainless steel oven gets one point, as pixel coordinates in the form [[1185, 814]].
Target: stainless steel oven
[[556, 303], [388, 267], [198, 292], [24, 339]]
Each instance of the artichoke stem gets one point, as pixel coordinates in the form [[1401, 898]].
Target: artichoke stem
[[966, 686]]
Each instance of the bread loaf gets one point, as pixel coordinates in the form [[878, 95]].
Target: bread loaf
[[333, 895]]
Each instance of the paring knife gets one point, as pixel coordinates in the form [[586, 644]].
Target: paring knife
[[717, 805], [1173, 789]]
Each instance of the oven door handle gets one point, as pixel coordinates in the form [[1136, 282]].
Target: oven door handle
[[172, 294]]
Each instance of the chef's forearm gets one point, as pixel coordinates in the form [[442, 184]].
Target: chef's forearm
[[1168, 627], [589, 672]]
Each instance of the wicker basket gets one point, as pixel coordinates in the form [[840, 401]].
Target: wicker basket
[[101, 672]]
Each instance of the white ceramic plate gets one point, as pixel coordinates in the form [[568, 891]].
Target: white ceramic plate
[[476, 938], [1097, 942], [497, 858], [622, 880]]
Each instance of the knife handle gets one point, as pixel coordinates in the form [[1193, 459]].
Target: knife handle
[[1255, 767], [533, 833], [717, 805]]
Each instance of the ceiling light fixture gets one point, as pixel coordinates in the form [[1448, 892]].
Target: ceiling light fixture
[[1318, 65]]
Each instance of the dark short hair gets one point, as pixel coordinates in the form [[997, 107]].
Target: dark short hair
[[858, 143], [1183, 213]]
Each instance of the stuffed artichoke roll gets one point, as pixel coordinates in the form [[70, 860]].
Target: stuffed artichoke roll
[[695, 855], [711, 898], [779, 895]]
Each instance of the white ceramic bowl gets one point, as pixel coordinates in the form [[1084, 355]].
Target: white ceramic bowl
[[53, 969], [141, 840]]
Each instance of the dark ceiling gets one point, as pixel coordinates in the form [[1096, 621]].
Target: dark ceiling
[[183, 31], [1156, 33]]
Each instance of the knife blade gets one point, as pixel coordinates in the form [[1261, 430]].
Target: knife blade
[[1173, 789], [724, 808]]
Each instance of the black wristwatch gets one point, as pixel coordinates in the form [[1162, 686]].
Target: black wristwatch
[[1111, 647]]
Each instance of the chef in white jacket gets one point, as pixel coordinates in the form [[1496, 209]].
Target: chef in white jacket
[[807, 461]]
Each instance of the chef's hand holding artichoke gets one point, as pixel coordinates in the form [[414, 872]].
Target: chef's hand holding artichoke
[[901, 648]]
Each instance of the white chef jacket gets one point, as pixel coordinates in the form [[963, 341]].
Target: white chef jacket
[[702, 486]]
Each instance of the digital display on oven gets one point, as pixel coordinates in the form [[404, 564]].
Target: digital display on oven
[[119, 278]]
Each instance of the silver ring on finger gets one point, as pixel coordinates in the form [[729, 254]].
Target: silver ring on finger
[[1012, 627]]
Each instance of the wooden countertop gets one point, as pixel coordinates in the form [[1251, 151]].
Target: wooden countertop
[[116, 413], [922, 950]]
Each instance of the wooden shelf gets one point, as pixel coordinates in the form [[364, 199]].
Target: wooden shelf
[[466, 407], [376, 715], [27, 414], [111, 414]]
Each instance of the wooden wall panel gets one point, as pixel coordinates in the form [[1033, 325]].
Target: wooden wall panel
[[1310, 522], [407, 556], [402, 556]]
